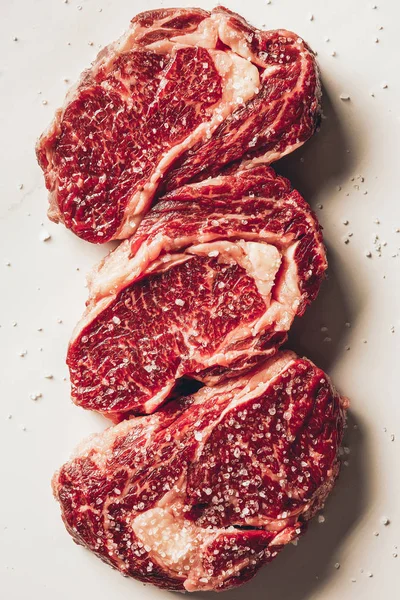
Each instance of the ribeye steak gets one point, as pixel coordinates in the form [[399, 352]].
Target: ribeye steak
[[209, 285], [202, 493], [180, 95]]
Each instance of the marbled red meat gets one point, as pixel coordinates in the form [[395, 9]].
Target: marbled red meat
[[183, 93], [201, 494], [207, 287]]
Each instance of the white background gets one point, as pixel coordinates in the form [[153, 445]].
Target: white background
[[358, 138]]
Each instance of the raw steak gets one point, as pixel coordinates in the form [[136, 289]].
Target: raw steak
[[201, 494], [209, 285], [180, 95]]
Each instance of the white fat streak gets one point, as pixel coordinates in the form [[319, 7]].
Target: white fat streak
[[100, 445], [119, 269], [240, 82], [260, 260]]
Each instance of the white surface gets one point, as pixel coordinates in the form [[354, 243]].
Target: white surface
[[359, 137]]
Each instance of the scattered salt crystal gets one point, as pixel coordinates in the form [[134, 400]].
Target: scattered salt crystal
[[48, 376], [179, 302], [344, 96], [198, 436], [337, 565], [311, 17], [392, 437], [23, 353], [376, 533], [385, 521], [333, 53], [116, 320], [345, 222], [44, 236], [8, 263], [368, 254], [15, 39], [384, 85], [376, 40], [36, 395], [213, 253], [321, 519]]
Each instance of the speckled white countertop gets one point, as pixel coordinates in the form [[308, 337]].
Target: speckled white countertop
[[348, 172]]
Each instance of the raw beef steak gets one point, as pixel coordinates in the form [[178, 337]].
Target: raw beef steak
[[209, 285], [180, 95], [201, 494]]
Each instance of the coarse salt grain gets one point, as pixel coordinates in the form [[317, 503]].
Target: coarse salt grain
[[44, 236]]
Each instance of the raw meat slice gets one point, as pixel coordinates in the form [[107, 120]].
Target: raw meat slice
[[208, 286], [180, 95], [202, 493]]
